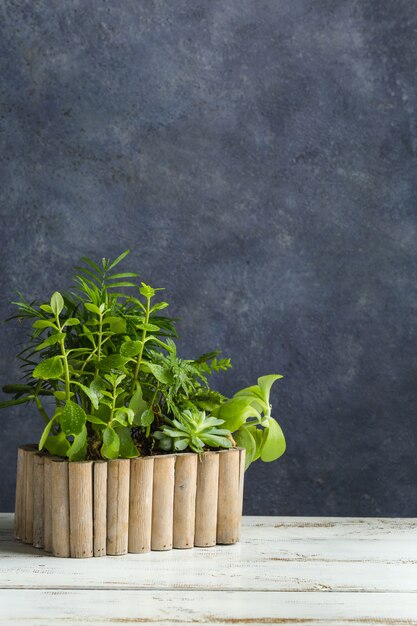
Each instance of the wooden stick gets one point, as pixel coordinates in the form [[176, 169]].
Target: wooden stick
[[47, 504], [81, 509], [29, 453], [163, 502], [184, 500], [38, 500], [206, 499], [242, 459], [20, 494], [228, 512], [140, 504], [118, 472], [100, 507], [60, 509]]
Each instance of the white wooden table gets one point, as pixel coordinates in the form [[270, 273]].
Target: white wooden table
[[286, 570]]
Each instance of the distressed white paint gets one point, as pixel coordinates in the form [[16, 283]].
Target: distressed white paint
[[281, 570]]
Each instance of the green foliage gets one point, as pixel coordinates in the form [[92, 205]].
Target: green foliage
[[107, 357], [194, 430], [248, 416]]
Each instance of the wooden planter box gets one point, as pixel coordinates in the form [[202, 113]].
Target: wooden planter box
[[94, 508]]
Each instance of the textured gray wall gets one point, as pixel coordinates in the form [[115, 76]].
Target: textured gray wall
[[259, 157]]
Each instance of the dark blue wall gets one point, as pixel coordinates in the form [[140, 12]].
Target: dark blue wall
[[259, 157]]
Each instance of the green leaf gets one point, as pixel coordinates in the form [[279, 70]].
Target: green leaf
[[236, 411], [150, 328], [265, 383], [72, 321], [90, 393], [245, 439], [138, 405], [96, 420], [274, 441], [118, 259], [162, 374], [123, 283], [113, 362], [147, 291], [131, 348], [159, 306], [44, 324], [60, 395], [46, 432], [49, 369], [93, 308], [57, 444], [117, 324], [7, 403], [78, 448], [258, 435], [127, 448], [46, 308], [57, 303], [146, 418], [50, 341], [123, 275], [111, 444], [122, 413], [73, 418]]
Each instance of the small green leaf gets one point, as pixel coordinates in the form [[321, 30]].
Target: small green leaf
[[50, 341], [93, 308], [131, 348], [78, 448], [236, 411], [265, 383], [245, 439], [150, 328], [60, 395], [72, 321], [274, 441], [46, 432], [49, 369], [91, 394], [73, 418], [44, 324], [117, 324], [159, 306], [113, 362], [146, 418], [118, 259], [162, 374], [96, 420], [111, 444], [57, 303], [57, 444], [147, 291], [127, 448], [46, 307]]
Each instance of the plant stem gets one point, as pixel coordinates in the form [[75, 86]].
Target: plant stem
[[100, 339], [138, 362], [65, 361]]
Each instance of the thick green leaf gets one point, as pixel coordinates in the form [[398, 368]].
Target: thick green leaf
[[159, 306], [50, 341], [258, 435], [93, 308], [78, 448], [46, 432], [111, 444], [117, 324], [150, 328], [113, 362], [245, 439], [265, 383], [137, 403], [124, 413], [127, 448], [274, 441], [49, 369], [162, 374], [73, 418], [57, 444], [44, 324], [46, 307], [91, 394], [72, 321], [57, 303], [131, 348], [236, 411], [146, 418]]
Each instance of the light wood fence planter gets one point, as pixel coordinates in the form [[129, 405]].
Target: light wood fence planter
[[93, 508]]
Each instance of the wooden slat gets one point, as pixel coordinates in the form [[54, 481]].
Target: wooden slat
[[221, 608]]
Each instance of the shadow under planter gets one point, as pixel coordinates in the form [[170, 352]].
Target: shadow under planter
[[93, 508]]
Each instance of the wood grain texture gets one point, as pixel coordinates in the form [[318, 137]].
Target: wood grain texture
[[162, 503], [80, 476], [140, 504], [60, 509], [280, 573], [19, 494], [38, 500], [100, 508], [229, 498], [118, 473], [47, 505], [185, 486], [206, 500]]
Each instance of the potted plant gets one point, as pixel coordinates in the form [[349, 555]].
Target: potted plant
[[138, 452]]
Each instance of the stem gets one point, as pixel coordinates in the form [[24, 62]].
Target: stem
[[138, 362], [100, 338], [113, 404], [65, 361], [41, 409]]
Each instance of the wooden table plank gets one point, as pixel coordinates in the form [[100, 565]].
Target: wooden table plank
[[276, 554], [109, 607]]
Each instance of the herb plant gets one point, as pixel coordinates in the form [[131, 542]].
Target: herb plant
[[104, 358]]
